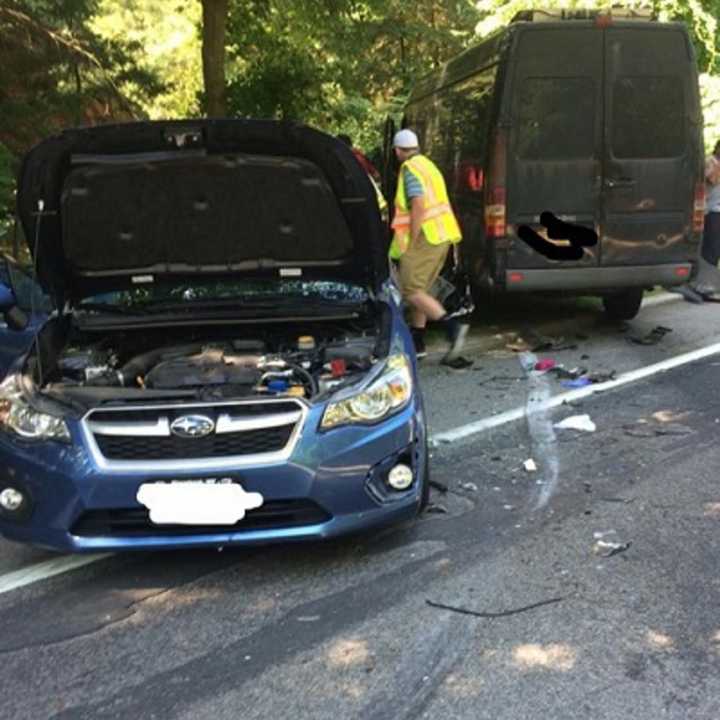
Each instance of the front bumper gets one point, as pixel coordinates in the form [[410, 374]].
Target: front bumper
[[73, 502]]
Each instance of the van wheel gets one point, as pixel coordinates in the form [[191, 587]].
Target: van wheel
[[624, 305]]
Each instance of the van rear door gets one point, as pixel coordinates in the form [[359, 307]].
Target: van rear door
[[556, 134], [650, 155]]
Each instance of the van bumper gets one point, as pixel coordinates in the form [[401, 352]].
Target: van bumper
[[600, 279]]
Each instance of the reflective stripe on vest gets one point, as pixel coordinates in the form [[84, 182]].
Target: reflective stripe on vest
[[438, 222]]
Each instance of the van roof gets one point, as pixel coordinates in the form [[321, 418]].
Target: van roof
[[487, 53]]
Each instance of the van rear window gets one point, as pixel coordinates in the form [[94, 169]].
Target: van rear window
[[555, 118], [648, 117]]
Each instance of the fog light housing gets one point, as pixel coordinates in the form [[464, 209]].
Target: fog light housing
[[400, 477], [11, 499]]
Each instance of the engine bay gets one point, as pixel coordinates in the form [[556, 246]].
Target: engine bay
[[292, 362]]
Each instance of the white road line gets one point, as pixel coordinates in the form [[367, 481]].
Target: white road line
[[660, 299], [41, 571], [464, 431]]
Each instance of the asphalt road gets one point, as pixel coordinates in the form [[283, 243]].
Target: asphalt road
[[346, 629]]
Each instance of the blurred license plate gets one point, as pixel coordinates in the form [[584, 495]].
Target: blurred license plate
[[189, 502]]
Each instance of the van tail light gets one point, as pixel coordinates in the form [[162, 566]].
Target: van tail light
[[495, 198], [699, 208]]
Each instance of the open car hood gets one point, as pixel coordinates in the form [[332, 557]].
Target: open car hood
[[158, 201]]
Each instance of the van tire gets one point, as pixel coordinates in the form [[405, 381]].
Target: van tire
[[623, 305]]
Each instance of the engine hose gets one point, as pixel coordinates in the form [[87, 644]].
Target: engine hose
[[310, 379], [141, 364]]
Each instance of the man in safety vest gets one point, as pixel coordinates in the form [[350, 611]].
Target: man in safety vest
[[424, 228]]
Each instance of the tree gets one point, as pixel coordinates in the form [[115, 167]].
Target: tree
[[56, 73], [214, 24]]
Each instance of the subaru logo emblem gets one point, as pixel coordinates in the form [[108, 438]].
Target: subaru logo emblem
[[192, 426]]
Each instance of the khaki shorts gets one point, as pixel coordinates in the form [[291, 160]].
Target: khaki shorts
[[420, 266]]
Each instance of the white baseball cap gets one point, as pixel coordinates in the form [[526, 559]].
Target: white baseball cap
[[405, 139]]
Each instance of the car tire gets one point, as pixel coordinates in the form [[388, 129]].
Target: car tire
[[623, 305]]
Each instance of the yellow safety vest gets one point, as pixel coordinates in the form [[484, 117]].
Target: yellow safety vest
[[438, 224]]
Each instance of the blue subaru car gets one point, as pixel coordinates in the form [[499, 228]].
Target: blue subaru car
[[227, 361]]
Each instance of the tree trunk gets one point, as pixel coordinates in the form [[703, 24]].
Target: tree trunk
[[213, 55]]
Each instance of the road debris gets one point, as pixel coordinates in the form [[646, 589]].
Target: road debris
[[530, 465], [436, 509], [577, 422], [458, 363], [653, 337], [545, 344], [545, 364], [606, 549], [564, 374], [645, 429], [518, 345], [469, 486], [601, 377], [577, 383], [439, 486], [503, 613]]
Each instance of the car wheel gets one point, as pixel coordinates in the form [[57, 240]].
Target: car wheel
[[624, 305]]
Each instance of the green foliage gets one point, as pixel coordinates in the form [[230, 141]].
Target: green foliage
[[7, 196], [165, 45], [339, 64]]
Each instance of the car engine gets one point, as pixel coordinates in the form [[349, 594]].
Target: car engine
[[305, 366]]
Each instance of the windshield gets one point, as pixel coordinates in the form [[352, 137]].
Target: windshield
[[224, 291]]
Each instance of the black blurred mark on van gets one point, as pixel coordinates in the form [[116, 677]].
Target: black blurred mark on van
[[577, 236], [595, 117]]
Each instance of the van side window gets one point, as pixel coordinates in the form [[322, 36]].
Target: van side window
[[648, 117], [453, 127], [555, 118]]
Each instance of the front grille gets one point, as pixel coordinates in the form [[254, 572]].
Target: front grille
[[273, 515], [239, 429], [250, 442]]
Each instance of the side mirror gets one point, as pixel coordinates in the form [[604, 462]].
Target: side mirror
[[15, 318]]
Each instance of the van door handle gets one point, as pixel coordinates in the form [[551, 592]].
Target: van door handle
[[619, 182]]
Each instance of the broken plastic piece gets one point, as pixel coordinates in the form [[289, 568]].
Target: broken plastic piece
[[577, 422], [530, 465], [601, 377], [545, 364], [603, 548], [577, 383], [652, 429], [653, 337]]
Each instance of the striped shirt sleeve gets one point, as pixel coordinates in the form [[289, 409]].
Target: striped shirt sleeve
[[413, 187]]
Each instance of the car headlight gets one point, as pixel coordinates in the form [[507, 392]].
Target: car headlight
[[390, 392], [19, 417]]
